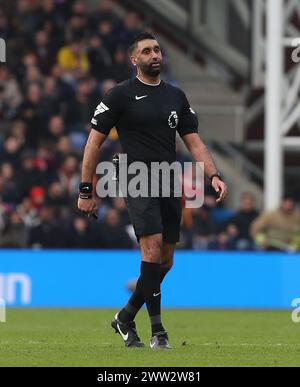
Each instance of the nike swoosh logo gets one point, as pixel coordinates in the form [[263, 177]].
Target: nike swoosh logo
[[138, 98], [156, 294], [125, 337]]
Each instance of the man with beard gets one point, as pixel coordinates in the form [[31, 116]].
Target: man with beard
[[147, 112]]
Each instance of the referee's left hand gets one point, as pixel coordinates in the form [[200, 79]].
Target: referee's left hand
[[220, 187]]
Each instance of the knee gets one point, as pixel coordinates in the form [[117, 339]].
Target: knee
[[151, 251]]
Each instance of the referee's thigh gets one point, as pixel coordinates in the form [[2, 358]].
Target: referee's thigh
[[145, 215], [171, 213]]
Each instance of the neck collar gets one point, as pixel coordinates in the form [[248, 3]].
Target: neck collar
[[149, 84]]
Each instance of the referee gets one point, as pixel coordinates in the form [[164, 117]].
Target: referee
[[147, 112]]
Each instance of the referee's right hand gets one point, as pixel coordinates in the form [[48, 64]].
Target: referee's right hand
[[88, 206]]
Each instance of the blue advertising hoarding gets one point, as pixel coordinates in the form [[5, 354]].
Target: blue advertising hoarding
[[92, 278]]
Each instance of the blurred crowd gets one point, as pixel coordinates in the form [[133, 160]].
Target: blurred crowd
[[61, 59], [215, 228]]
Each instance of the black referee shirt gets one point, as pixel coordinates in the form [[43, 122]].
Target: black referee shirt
[[146, 118]]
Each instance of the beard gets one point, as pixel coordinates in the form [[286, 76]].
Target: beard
[[148, 69]]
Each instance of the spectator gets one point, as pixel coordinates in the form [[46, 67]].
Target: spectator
[[14, 233], [69, 176], [232, 233], [221, 243], [33, 111], [29, 175], [57, 197], [131, 28], [33, 75], [10, 95], [278, 230], [99, 58], [79, 234], [242, 221], [18, 132], [202, 228], [44, 51], [63, 147], [49, 233], [79, 7], [65, 89], [4, 26], [27, 59], [109, 37], [55, 33], [82, 106], [73, 59], [37, 196], [53, 98], [121, 69], [76, 29], [105, 12], [9, 191], [56, 129], [120, 205], [23, 20], [11, 150], [28, 213], [48, 11], [112, 234]]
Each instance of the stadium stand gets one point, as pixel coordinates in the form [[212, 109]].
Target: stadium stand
[[62, 60]]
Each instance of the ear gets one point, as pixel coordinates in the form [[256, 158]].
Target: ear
[[133, 60]]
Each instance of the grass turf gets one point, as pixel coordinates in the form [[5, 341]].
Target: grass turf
[[80, 337]]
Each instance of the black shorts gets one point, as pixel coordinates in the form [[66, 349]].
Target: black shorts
[[161, 215]]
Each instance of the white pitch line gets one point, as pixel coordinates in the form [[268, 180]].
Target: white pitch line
[[248, 344]]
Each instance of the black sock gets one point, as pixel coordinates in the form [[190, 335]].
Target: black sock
[[150, 284], [163, 273], [137, 300], [134, 304]]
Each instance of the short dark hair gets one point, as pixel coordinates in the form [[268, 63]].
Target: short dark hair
[[289, 196], [138, 38]]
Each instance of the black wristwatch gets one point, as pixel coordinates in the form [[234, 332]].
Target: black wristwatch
[[217, 174]]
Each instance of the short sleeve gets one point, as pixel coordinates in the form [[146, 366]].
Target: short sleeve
[[188, 121], [108, 112]]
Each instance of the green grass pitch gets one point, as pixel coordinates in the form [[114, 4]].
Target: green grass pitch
[[83, 337]]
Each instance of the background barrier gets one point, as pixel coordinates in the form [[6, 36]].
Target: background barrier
[[85, 278]]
